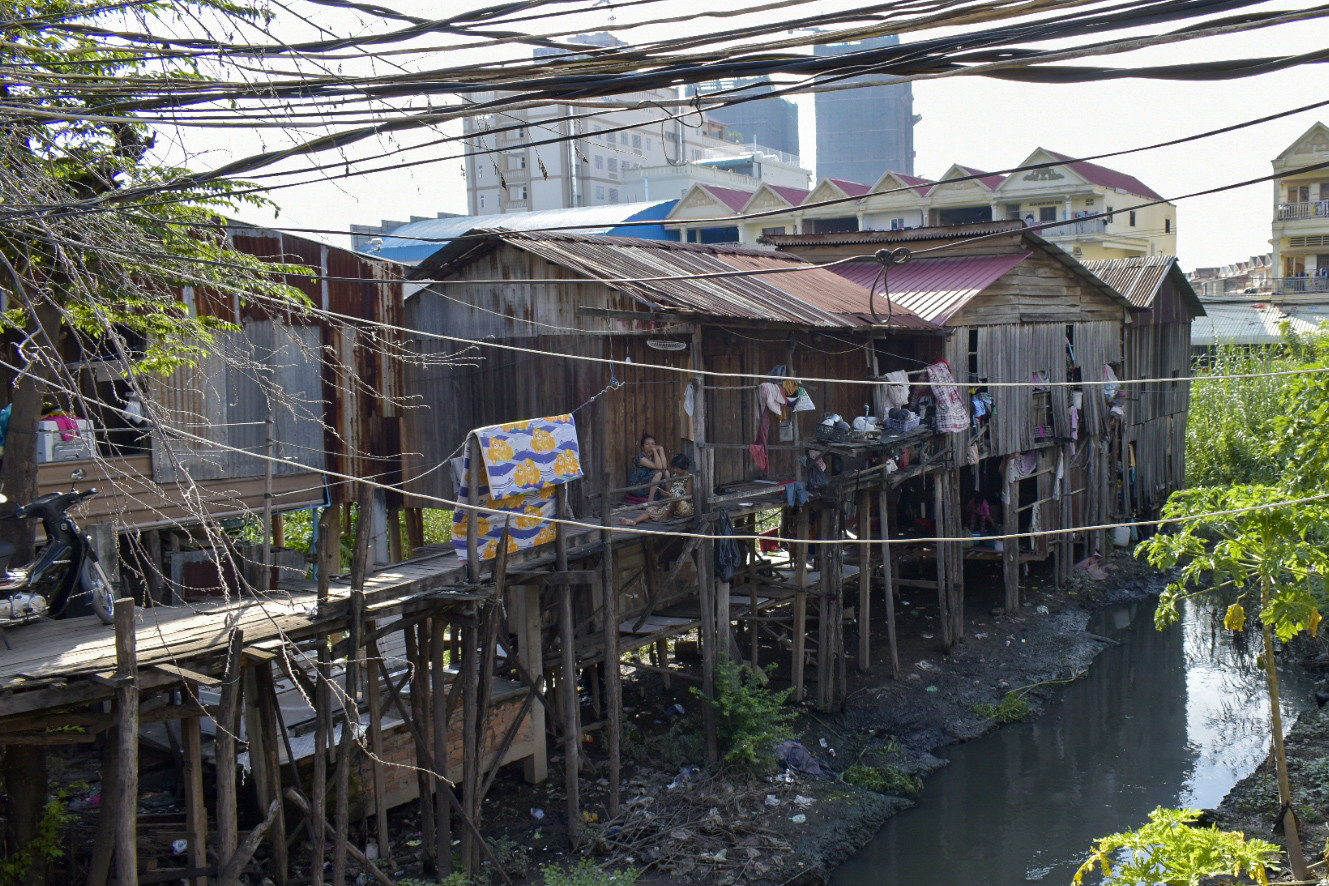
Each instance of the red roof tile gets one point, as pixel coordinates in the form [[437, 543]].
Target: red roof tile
[[921, 185], [1108, 178]]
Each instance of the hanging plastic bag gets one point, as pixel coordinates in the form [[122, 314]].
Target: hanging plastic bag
[[802, 402]]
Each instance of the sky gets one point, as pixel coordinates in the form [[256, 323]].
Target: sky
[[975, 121]]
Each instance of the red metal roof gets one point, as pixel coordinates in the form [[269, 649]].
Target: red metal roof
[[991, 179], [734, 198], [921, 185], [852, 189], [934, 288], [1108, 178], [794, 195]]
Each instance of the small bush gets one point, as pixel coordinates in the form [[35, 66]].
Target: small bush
[[888, 779], [586, 873], [749, 717], [1013, 707]]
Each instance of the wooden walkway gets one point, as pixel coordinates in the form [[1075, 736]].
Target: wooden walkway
[[71, 661]]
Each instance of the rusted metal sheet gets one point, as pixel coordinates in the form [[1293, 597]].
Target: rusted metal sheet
[[1151, 281], [782, 289], [933, 288]]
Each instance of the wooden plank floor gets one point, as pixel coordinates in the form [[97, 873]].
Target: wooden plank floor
[[53, 650]]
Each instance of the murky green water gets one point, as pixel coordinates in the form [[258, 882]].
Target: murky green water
[[1169, 718]]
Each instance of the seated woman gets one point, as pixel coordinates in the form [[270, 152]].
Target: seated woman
[[679, 489], [648, 469]]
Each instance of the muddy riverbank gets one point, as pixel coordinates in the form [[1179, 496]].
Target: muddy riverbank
[[723, 829]]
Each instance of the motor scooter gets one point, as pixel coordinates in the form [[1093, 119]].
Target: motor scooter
[[64, 565]]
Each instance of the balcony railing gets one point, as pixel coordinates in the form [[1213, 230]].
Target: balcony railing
[[1295, 211], [1300, 285], [1073, 227]]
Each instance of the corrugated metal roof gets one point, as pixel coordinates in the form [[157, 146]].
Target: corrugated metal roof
[[804, 294], [1108, 178], [1245, 324], [934, 288], [1138, 277], [942, 232], [418, 240]]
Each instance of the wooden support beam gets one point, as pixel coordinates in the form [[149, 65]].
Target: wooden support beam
[[417, 659], [531, 660], [439, 711], [228, 729], [196, 813], [470, 753], [825, 652], [318, 792], [943, 597], [800, 553], [864, 580], [888, 578], [394, 535], [374, 665], [124, 804], [613, 670], [570, 712], [1010, 523], [262, 732], [363, 860]]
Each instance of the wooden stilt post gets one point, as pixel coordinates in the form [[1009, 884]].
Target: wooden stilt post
[[261, 730], [439, 710], [529, 654], [470, 757], [825, 643], [154, 592], [415, 529], [864, 580], [939, 531], [888, 578], [954, 526], [417, 659], [228, 728], [800, 552], [754, 601], [374, 667], [124, 806], [103, 844], [196, 813], [1010, 525], [394, 535], [318, 792], [265, 561], [570, 711], [613, 677]]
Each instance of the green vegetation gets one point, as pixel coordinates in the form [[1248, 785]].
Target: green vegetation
[[46, 846], [1258, 533], [749, 717], [1012, 708], [1171, 850], [586, 873], [884, 779]]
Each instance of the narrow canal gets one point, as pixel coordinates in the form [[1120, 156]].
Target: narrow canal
[[1168, 718]]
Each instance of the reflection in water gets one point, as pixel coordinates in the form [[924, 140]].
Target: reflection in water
[[1169, 718]]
